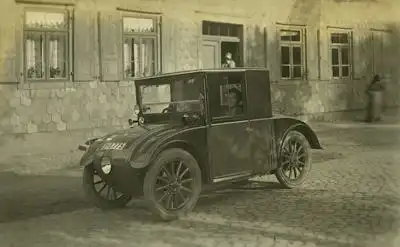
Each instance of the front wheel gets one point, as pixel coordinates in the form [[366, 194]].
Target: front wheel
[[101, 194], [172, 185], [294, 160]]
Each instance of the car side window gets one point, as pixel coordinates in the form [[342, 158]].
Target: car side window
[[227, 96]]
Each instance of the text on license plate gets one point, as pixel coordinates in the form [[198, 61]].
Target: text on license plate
[[113, 146]]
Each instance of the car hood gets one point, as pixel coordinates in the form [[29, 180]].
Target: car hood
[[131, 135], [122, 144]]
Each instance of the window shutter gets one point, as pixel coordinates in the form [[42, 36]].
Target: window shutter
[[273, 53], [11, 49], [111, 46], [311, 56], [255, 46], [168, 63], [84, 44], [325, 54]]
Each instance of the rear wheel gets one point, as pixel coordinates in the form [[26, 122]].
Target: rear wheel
[[101, 194], [294, 160], [172, 185]]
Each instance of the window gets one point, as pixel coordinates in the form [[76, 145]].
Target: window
[[221, 29], [340, 54], [292, 54], [46, 45], [226, 95], [140, 47], [172, 95]]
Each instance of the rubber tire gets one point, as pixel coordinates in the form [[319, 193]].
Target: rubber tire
[[279, 171], [154, 170], [97, 200]]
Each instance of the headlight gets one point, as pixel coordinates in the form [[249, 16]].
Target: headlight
[[136, 109], [141, 120], [105, 164]]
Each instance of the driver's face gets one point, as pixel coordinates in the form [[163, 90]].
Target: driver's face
[[232, 100]]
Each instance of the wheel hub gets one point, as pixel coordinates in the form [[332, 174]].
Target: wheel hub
[[174, 186]]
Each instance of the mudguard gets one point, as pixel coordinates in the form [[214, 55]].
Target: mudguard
[[283, 125]]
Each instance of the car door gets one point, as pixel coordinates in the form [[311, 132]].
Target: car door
[[261, 124], [227, 134]]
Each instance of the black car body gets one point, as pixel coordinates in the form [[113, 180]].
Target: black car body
[[218, 121]]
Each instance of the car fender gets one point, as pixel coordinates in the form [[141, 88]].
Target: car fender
[[179, 139], [285, 125]]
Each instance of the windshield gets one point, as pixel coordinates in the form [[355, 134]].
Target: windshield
[[175, 95]]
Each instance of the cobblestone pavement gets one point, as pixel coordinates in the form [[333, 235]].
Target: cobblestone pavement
[[351, 199]]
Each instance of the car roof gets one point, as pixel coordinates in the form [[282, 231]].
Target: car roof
[[197, 71]]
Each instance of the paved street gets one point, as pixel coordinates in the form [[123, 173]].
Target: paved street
[[351, 199]]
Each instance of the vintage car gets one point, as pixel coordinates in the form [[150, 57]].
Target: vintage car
[[194, 130]]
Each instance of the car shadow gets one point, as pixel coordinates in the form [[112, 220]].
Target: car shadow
[[28, 196]]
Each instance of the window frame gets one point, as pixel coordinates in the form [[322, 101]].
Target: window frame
[[303, 46], [227, 118], [339, 47], [67, 31], [155, 35]]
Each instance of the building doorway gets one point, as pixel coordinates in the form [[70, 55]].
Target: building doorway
[[234, 49], [217, 40]]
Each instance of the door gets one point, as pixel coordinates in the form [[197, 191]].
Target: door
[[262, 134], [228, 136], [232, 47], [210, 54]]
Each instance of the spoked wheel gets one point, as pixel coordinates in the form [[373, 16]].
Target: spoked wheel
[[100, 193], [172, 184], [295, 160]]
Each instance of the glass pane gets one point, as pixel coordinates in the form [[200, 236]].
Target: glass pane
[[285, 71], [138, 25], [34, 19], [285, 55], [215, 29], [131, 58], [224, 30], [58, 55], [155, 98], [345, 55], [34, 55], [289, 35], [344, 38], [297, 55], [174, 95], [339, 38], [234, 30], [148, 57], [345, 71], [206, 28], [335, 56], [335, 71], [296, 70], [231, 99], [335, 38]]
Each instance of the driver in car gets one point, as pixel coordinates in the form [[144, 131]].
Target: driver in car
[[234, 102]]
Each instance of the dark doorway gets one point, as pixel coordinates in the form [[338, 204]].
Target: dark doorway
[[234, 48]]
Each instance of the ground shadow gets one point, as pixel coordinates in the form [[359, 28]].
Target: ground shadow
[[25, 197]]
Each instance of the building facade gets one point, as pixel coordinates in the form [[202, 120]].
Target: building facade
[[67, 67]]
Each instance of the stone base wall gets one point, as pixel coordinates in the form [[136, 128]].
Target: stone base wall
[[41, 128]]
